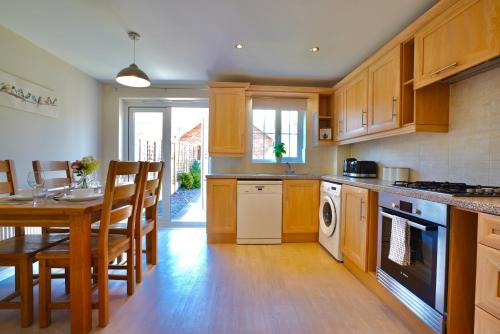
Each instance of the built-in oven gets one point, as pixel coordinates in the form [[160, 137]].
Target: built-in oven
[[421, 282]]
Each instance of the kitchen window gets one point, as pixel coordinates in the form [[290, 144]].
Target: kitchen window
[[276, 121]]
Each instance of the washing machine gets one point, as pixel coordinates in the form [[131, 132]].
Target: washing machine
[[329, 219]]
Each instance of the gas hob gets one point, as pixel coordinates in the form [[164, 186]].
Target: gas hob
[[453, 189]]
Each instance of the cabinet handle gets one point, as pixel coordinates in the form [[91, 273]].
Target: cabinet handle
[[442, 69], [361, 217], [363, 112], [394, 100]]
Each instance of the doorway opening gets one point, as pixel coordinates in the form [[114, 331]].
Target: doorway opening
[[189, 165], [178, 135]]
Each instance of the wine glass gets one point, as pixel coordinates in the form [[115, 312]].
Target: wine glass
[[34, 179]]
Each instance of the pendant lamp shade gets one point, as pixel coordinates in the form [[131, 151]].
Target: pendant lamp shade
[[133, 76]]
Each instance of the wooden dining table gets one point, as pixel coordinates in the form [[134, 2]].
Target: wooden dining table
[[78, 216]]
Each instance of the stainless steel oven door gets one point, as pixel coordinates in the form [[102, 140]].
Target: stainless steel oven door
[[425, 277]]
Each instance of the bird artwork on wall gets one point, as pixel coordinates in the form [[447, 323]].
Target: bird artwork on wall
[[21, 94]]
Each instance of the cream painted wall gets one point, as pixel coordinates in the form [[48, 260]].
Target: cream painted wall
[[25, 136], [114, 102], [469, 152], [321, 160]]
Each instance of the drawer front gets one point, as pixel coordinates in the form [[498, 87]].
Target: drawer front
[[485, 323], [488, 280], [488, 233]]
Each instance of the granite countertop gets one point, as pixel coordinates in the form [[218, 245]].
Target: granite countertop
[[250, 176], [480, 204]]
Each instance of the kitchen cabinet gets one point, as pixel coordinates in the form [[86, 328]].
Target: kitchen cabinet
[[355, 225], [485, 323], [488, 280], [384, 77], [227, 120], [300, 210], [488, 231], [356, 109], [487, 312], [339, 113], [221, 210], [466, 34]]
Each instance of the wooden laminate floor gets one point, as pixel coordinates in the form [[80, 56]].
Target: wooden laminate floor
[[200, 288]]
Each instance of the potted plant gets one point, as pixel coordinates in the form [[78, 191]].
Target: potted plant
[[279, 150]]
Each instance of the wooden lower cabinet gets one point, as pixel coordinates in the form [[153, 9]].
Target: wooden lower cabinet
[[488, 280], [300, 210], [221, 210], [355, 225], [485, 323], [488, 230]]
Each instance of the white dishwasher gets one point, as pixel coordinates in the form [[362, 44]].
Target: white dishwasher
[[259, 212]]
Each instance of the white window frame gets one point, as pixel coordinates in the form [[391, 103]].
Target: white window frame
[[301, 136]]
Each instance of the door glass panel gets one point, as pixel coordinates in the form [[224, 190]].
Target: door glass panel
[[148, 134], [327, 214]]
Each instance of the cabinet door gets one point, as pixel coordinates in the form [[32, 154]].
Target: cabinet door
[[466, 34], [488, 230], [485, 323], [227, 122], [488, 279], [383, 92], [300, 210], [339, 113], [221, 210], [356, 105], [355, 224]]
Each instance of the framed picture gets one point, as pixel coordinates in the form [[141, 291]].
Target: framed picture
[[21, 94]]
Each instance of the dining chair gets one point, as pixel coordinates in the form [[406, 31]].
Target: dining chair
[[148, 226], [119, 203], [19, 251], [42, 169]]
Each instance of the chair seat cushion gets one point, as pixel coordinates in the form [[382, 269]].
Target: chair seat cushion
[[29, 245], [116, 244]]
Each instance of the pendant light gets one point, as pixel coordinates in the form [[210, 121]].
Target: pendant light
[[133, 76]]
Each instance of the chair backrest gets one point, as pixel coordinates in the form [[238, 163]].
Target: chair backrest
[[152, 187], [10, 186], [52, 166], [120, 200]]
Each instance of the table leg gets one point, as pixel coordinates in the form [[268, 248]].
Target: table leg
[[81, 303]]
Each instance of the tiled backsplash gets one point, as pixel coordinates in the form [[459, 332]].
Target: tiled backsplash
[[469, 152]]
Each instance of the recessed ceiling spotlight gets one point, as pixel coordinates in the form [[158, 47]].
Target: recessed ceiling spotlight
[[314, 49], [239, 46]]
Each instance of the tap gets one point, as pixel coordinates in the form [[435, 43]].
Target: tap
[[289, 167]]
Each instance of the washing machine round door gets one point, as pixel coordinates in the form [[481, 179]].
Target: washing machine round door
[[327, 216]]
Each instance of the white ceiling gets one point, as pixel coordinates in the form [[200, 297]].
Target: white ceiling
[[193, 40]]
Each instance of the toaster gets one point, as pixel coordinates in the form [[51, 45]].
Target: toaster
[[355, 168]]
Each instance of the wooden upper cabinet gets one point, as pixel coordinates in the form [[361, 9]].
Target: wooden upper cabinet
[[300, 210], [355, 225], [227, 121], [384, 91], [221, 210], [466, 34], [356, 109], [339, 113]]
